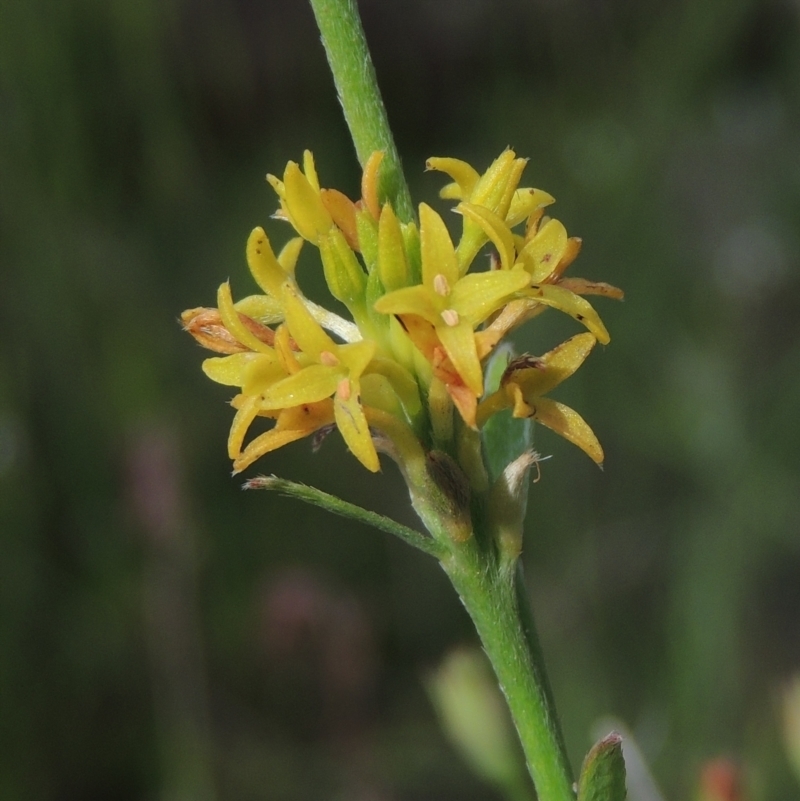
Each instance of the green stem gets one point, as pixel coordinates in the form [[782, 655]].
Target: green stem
[[490, 594], [532, 637], [488, 589], [354, 75]]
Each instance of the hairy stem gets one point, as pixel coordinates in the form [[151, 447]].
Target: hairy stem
[[490, 595]]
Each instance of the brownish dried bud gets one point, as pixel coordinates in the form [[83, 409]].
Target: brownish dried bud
[[206, 326]]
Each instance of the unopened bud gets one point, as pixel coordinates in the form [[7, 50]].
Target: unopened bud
[[206, 326], [507, 503]]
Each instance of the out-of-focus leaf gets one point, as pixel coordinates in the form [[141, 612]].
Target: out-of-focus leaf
[[603, 772]]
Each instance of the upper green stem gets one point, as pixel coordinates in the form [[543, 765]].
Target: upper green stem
[[354, 76]]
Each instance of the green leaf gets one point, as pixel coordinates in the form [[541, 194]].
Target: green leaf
[[603, 772], [343, 508]]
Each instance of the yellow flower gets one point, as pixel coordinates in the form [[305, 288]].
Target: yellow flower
[[496, 191], [251, 371], [291, 425], [334, 370], [527, 379], [421, 325], [453, 304], [275, 381]]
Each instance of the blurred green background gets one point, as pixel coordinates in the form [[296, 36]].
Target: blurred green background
[[165, 636]]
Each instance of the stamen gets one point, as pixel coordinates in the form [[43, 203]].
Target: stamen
[[450, 316], [328, 359], [441, 285], [343, 389]]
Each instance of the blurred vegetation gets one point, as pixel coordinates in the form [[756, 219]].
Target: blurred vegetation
[[164, 636]]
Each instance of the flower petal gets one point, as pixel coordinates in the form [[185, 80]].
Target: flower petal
[[309, 216], [260, 374], [421, 333], [477, 295], [352, 423], [459, 342], [292, 424], [417, 300], [493, 184], [277, 185], [465, 175], [574, 245], [289, 254], [229, 370], [551, 369], [357, 356], [392, 262], [401, 381], [263, 265], [496, 402], [308, 417], [569, 424], [465, 401], [231, 320], [438, 253], [310, 169], [494, 228], [305, 330], [264, 309], [285, 352], [313, 383], [266, 443], [524, 202], [571, 304], [541, 255], [245, 414]]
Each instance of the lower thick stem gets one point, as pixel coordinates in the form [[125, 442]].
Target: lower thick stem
[[490, 597]]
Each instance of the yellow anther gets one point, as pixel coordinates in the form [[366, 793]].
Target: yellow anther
[[343, 389]]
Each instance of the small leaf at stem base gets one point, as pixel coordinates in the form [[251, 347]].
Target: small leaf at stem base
[[603, 772]]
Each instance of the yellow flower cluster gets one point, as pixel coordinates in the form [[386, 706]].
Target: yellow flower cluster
[[422, 322]]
